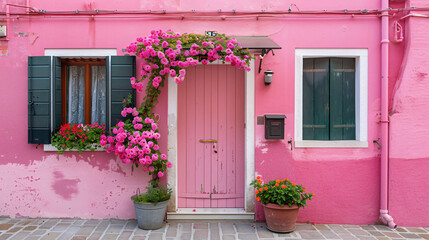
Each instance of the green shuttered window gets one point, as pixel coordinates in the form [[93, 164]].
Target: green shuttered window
[[45, 99], [329, 99]]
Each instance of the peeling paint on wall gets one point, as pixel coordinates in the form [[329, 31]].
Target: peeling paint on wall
[[32, 37], [4, 51]]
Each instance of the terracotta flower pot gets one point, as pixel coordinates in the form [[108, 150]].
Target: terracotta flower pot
[[281, 219]]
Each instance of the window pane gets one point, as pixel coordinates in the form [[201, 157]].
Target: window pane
[[76, 95], [98, 94], [342, 99], [316, 99]]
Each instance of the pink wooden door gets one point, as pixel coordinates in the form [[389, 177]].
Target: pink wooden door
[[211, 138]]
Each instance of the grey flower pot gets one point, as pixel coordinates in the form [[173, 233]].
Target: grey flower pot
[[150, 216]]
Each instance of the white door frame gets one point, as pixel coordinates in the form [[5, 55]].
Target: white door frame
[[249, 144]]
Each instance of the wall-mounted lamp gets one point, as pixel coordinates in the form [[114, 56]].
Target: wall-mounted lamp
[[268, 77]]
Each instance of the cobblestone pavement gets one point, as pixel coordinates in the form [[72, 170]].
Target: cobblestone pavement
[[76, 229]]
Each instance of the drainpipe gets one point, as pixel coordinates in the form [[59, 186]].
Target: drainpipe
[[384, 216]]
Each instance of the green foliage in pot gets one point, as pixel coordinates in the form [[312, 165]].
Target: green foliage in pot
[[153, 195], [281, 192]]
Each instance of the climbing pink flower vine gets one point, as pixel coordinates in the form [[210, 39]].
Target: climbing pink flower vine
[[165, 54]]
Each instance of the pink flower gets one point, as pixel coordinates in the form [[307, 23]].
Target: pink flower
[[204, 61], [138, 119], [120, 124], [164, 61], [173, 72], [155, 84], [156, 147], [151, 168], [155, 157], [182, 72], [154, 126], [121, 148], [160, 174], [161, 54], [133, 80], [147, 68], [228, 51], [164, 44], [169, 165], [138, 126], [157, 79], [163, 156]]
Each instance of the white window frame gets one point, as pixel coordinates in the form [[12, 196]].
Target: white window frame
[[77, 52], [361, 88]]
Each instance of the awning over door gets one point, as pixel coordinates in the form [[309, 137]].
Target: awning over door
[[253, 43]]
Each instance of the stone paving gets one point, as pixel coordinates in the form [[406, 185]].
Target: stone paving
[[108, 229]]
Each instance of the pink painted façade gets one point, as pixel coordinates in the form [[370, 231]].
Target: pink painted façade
[[346, 182]]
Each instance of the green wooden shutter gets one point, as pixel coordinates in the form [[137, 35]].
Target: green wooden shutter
[[316, 99], [39, 100], [122, 68], [342, 99], [42, 79], [57, 95]]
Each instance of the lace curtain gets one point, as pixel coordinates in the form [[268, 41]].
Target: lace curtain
[[98, 99], [76, 95]]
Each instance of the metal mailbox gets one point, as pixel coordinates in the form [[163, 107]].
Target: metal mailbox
[[275, 126]]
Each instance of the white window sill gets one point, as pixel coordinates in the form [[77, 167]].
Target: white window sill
[[331, 144], [50, 148]]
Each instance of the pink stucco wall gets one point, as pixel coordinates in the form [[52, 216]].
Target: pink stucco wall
[[409, 121], [35, 183]]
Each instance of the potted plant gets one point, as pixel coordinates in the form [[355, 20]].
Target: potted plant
[[281, 200], [78, 137], [151, 206]]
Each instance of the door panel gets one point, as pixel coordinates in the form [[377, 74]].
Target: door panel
[[211, 107]]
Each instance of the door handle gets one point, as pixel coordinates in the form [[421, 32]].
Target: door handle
[[208, 141]]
